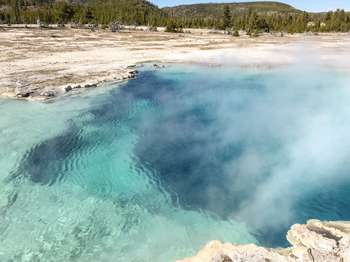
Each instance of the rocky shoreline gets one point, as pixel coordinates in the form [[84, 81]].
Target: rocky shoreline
[[314, 241], [29, 92]]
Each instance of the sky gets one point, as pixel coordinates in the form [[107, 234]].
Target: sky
[[308, 5]]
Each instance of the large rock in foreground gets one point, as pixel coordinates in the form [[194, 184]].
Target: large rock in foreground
[[316, 241]]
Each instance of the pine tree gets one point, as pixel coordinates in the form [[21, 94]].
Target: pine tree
[[227, 17], [16, 7]]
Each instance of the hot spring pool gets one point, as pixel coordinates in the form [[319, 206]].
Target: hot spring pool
[[153, 170]]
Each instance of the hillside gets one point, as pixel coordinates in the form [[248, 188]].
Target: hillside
[[252, 17], [212, 10]]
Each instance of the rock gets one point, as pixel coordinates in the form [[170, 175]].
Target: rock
[[68, 88], [132, 74], [89, 85], [93, 27], [313, 242], [49, 93], [115, 27], [23, 94], [225, 258], [158, 66]]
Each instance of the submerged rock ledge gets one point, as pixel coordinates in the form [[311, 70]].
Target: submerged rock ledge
[[313, 242]]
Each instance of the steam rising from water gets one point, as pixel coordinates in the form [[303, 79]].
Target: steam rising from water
[[254, 146], [174, 158]]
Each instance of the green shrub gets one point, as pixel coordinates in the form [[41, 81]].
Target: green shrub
[[235, 33], [172, 27]]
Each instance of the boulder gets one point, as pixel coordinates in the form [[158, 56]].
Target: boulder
[[89, 85], [68, 88], [48, 93], [315, 241], [23, 94], [132, 74]]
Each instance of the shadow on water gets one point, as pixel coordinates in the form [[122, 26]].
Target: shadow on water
[[42, 163]]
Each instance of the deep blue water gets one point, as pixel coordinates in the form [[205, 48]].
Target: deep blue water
[[268, 149]]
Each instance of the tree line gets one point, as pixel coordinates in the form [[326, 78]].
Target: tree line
[[252, 21], [103, 12], [140, 12]]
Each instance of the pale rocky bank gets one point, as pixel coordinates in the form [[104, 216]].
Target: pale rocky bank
[[44, 63], [314, 242]]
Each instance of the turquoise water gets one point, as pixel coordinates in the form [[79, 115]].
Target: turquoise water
[[155, 168]]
